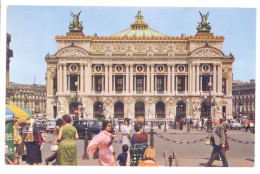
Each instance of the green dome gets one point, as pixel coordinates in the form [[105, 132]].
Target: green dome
[[139, 29], [139, 33]]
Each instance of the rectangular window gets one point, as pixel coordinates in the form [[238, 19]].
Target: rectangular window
[[160, 83], [119, 83], [73, 79], [181, 83], [98, 83], [205, 83], [139, 83]]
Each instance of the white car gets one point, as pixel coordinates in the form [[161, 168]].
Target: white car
[[233, 124]]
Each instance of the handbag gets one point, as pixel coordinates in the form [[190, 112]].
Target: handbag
[[54, 148], [95, 156]]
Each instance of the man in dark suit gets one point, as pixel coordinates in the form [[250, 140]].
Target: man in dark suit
[[218, 143]]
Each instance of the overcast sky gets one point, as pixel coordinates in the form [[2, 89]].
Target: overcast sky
[[33, 30]]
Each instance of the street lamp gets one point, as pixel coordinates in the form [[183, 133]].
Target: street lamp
[[209, 104]]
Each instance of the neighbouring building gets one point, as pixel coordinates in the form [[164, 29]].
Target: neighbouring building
[[29, 96], [243, 99], [9, 54], [139, 72]]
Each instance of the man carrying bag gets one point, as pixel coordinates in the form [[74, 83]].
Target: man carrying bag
[[218, 143]]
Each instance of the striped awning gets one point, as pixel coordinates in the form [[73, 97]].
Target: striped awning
[[19, 114]]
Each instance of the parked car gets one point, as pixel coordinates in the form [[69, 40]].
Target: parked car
[[50, 127], [93, 127], [234, 124]]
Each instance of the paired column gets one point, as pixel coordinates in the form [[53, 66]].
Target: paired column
[[148, 78], [152, 78], [131, 78], [86, 80], [106, 78], [64, 78], [214, 78], [219, 78], [127, 78], [198, 79], [173, 77], [193, 86], [168, 79], [81, 78], [59, 78], [110, 77]]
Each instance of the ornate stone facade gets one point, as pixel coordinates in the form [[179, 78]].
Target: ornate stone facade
[[244, 99], [128, 75], [32, 97]]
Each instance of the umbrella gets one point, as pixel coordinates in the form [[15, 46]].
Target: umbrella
[[9, 115], [28, 111], [19, 114]]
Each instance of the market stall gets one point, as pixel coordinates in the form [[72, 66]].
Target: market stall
[[23, 117]]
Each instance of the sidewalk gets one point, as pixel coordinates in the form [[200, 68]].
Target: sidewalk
[[232, 162]]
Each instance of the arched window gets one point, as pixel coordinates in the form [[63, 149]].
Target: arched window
[[160, 110], [119, 110], [139, 109], [98, 109]]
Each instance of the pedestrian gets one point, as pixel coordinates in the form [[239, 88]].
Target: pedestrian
[[101, 144], [200, 124], [140, 120], [126, 132], [191, 124], [122, 157], [248, 125], [203, 123], [33, 149], [59, 123], [181, 123], [149, 158], [67, 151], [140, 137], [218, 143]]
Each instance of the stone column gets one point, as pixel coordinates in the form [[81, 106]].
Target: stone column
[[131, 78], [214, 78], [173, 77], [189, 79], [85, 79], [127, 78], [106, 78], [193, 79], [220, 78], [198, 79], [152, 78], [59, 78], [64, 78], [148, 78], [176, 84], [168, 79], [81, 78], [110, 77]]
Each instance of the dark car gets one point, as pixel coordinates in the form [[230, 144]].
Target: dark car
[[93, 127]]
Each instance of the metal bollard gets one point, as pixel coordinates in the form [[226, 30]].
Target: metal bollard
[[171, 158], [152, 137], [164, 126], [85, 155], [119, 124]]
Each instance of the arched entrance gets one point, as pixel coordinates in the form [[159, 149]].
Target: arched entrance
[[119, 110], [139, 109], [180, 110], [98, 109], [160, 110]]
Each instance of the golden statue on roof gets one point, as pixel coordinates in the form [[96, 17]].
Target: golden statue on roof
[[75, 26]]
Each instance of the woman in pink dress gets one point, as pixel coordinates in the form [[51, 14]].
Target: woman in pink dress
[[103, 141]]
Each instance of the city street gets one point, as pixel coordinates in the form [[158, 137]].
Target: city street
[[189, 155]]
